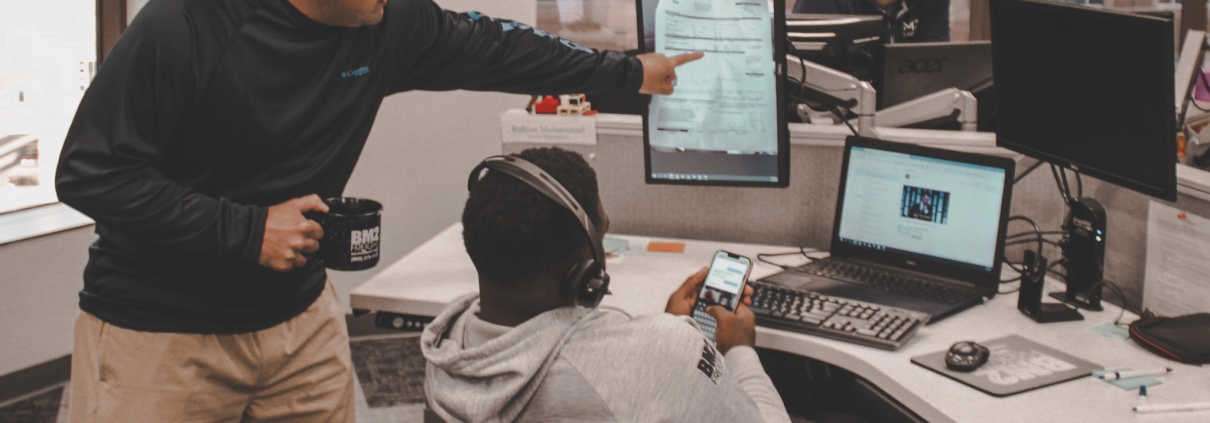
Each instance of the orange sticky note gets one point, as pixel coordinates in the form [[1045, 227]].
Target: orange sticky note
[[666, 247]]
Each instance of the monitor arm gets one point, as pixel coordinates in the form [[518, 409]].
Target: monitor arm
[[835, 88], [945, 105]]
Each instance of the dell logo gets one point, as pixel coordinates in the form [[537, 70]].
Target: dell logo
[[911, 263], [932, 65]]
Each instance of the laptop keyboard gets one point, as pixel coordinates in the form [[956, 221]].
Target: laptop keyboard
[[889, 281]]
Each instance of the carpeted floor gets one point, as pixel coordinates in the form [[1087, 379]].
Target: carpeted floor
[[389, 372]]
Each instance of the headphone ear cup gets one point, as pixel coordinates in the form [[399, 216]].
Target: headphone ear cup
[[577, 283], [587, 285], [596, 287]]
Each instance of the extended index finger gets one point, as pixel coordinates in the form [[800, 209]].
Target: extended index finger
[[684, 58]]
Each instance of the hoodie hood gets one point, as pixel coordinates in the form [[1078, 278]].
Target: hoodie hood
[[492, 382]]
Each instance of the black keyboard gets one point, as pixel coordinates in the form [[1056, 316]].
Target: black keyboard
[[853, 321], [895, 282]]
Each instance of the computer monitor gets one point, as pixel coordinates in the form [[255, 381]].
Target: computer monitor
[[841, 42], [723, 125], [1087, 89]]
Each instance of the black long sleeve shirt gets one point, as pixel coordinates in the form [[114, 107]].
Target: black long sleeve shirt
[[206, 112]]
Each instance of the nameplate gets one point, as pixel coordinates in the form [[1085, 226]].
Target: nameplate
[[519, 126]]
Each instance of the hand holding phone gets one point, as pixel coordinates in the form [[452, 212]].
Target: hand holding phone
[[724, 286], [734, 328]]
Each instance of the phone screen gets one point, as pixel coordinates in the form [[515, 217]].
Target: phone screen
[[725, 280]]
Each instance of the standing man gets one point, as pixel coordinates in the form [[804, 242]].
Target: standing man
[[907, 21], [211, 128]]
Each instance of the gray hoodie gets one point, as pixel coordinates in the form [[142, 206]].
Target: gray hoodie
[[579, 364]]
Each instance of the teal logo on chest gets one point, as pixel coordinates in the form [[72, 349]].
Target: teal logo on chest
[[353, 73]]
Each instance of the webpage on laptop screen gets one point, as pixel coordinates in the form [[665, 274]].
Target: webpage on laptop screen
[[939, 208]]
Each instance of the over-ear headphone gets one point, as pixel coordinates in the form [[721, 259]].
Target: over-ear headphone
[[588, 283]]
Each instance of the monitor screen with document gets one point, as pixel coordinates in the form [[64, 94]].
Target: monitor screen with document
[[725, 124], [936, 209]]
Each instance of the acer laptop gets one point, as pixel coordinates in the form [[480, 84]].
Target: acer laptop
[[916, 227]]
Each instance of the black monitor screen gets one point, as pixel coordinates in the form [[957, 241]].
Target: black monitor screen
[[725, 124], [1087, 89]]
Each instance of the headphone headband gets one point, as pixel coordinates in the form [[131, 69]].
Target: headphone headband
[[541, 181]]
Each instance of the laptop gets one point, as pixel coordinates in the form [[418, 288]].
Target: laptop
[[917, 228]]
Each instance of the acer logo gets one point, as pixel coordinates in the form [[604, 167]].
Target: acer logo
[[932, 65], [911, 263]]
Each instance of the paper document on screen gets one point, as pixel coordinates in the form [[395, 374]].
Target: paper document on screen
[[726, 101], [1178, 262]]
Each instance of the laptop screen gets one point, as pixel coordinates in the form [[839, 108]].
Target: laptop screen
[[923, 207]]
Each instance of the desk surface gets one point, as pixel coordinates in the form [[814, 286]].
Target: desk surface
[[422, 282]]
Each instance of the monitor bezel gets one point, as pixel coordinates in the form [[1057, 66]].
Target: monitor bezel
[[1168, 190], [783, 129]]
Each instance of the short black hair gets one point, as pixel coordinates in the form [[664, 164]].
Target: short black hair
[[515, 235]]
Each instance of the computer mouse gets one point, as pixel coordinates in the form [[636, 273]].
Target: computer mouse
[[966, 356]]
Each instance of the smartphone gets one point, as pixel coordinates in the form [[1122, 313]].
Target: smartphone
[[724, 286]]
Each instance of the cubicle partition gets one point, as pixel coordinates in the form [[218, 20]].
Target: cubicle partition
[[803, 213]]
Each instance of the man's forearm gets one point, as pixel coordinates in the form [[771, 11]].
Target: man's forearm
[[477, 52]]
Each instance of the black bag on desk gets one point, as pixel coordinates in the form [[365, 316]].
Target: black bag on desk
[[1185, 338]]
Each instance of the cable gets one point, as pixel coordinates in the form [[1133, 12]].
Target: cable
[[1121, 296], [802, 88], [1037, 229], [1024, 241], [1066, 185], [1024, 234], [802, 82], [844, 117], [1054, 170], [1079, 185], [1193, 101], [801, 251]]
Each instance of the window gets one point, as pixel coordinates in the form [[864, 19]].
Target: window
[[599, 24], [48, 55]]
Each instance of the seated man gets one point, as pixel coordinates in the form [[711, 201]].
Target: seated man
[[518, 351], [908, 21]]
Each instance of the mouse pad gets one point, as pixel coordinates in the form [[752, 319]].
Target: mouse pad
[[1015, 365]]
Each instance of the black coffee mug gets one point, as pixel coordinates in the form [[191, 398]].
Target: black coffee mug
[[352, 230]]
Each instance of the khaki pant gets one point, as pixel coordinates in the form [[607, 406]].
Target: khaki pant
[[297, 371]]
